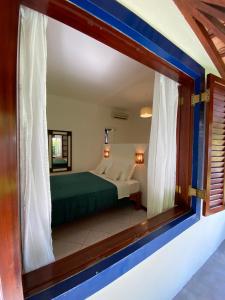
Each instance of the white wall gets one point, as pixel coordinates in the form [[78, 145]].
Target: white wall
[[87, 122]]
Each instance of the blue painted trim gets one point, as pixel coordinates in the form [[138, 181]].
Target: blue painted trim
[[198, 148], [104, 272]]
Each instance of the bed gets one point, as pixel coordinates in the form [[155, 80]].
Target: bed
[[59, 163], [77, 195]]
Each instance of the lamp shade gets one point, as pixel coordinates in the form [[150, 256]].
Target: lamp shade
[[146, 112], [106, 153], [139, 158]]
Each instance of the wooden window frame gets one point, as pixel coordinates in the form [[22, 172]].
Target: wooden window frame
[[174, 65]]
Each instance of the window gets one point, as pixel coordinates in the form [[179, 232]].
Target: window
[[138, 44], [57, 146]]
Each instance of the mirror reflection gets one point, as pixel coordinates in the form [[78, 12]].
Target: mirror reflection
[[60, 150]]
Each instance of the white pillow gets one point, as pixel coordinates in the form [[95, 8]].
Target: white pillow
[[113, 172], [131, 173], [103, 166], [127, 172], [100, 169]]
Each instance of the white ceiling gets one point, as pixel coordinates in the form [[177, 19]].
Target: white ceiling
[[82, 68]]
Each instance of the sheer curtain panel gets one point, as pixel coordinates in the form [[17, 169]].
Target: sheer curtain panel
[[162, 146], [34, 167]]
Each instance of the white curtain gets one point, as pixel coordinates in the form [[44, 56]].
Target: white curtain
[[162, 146], [34, 167]]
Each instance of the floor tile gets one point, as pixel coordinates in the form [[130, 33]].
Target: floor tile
[[71, 234], [62, 249], [94, 237]]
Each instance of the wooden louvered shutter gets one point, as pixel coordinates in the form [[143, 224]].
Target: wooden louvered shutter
[[215, 146]]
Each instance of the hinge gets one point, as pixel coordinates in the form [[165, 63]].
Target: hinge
[[203, 97], [178, 189], [180, 100], [196, 192]]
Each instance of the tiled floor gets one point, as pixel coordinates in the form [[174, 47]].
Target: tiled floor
[[75, 236]]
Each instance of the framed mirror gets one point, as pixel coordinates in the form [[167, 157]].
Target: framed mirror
[[60, 150]]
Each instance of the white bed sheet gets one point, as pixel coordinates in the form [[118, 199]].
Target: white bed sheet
[[124, 188]]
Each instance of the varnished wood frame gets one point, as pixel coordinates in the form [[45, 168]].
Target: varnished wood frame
[[212, 81], [10, 260], [184, 145], [10, 255]]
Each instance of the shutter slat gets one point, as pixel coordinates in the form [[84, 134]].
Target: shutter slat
[[216, 186], [217, 170], [218, 99], [218, 131], [218, 136], [217, 153], [217, 164], [218, 148], [218, 125], [218, 120], [218, 93], [218, 142], [216, 180], [219, 114], [216, 158], [216, 203], [219, 108], [217, 175], [216, 197], [216, 192]]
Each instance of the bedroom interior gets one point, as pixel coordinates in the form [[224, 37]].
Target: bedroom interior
[[98, 103], [133, 147]]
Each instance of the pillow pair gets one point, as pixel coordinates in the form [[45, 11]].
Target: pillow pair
[[116, 170]]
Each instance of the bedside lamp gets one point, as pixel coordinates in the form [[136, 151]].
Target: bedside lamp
[[106, 153], [139, 158], [146, 112]]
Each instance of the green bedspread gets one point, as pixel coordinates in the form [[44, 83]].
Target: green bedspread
[[80, 194], [59, 161]]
